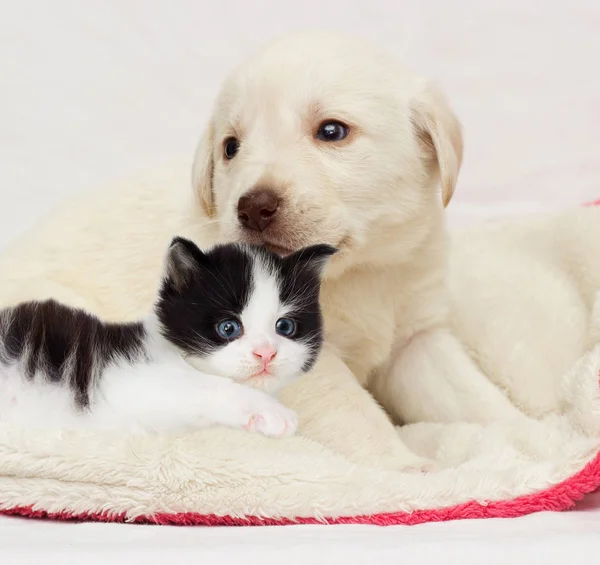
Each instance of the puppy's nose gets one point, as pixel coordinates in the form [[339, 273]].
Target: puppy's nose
[[257, 208]]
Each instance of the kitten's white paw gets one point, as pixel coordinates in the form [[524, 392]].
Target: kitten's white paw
[[272, 419]]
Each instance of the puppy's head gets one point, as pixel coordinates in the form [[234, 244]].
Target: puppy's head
[[321, 138]]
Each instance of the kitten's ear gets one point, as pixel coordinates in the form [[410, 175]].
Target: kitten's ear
[[315, 256], [184, 261]]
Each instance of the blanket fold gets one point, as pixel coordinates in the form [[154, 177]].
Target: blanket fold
[[222, 476]]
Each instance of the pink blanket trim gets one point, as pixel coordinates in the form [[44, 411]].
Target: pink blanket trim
[[562, 496]]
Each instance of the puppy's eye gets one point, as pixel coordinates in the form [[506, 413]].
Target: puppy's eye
[[229, 329], [332, 131], [231, 147]]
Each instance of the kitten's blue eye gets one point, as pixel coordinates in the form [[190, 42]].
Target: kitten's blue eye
[[229, 329], [285, 327]]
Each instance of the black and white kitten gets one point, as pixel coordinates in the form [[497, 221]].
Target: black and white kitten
[[226, 322]]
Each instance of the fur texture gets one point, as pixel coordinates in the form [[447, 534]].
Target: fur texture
[[499, 470], [239, 314], [423, 325]]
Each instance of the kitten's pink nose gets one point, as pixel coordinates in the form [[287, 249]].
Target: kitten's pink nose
[[265, 353]]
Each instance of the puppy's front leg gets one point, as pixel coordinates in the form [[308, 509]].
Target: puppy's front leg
[[337, 412], [432, 379]]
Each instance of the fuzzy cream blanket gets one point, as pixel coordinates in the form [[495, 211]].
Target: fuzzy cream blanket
[[221, 476]]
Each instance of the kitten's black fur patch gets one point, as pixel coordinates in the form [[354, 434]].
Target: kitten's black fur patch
[[65, 344], [206, 288], [300, 285], [216, 285]]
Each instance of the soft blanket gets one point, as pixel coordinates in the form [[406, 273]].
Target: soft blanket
[[229, 477]]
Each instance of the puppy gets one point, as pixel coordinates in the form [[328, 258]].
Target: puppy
[[321, 138]]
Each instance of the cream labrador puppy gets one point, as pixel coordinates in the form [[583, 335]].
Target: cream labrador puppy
[[323, 138]]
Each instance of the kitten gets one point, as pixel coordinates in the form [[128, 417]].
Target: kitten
[[226, 322]]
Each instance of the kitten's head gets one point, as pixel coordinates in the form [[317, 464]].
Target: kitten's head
[[241, 312]]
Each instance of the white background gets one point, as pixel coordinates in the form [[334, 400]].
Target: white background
[[96, 90], [91, 91]]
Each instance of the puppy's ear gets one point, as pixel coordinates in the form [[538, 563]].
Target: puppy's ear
[[203, 171], [440, 136]]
